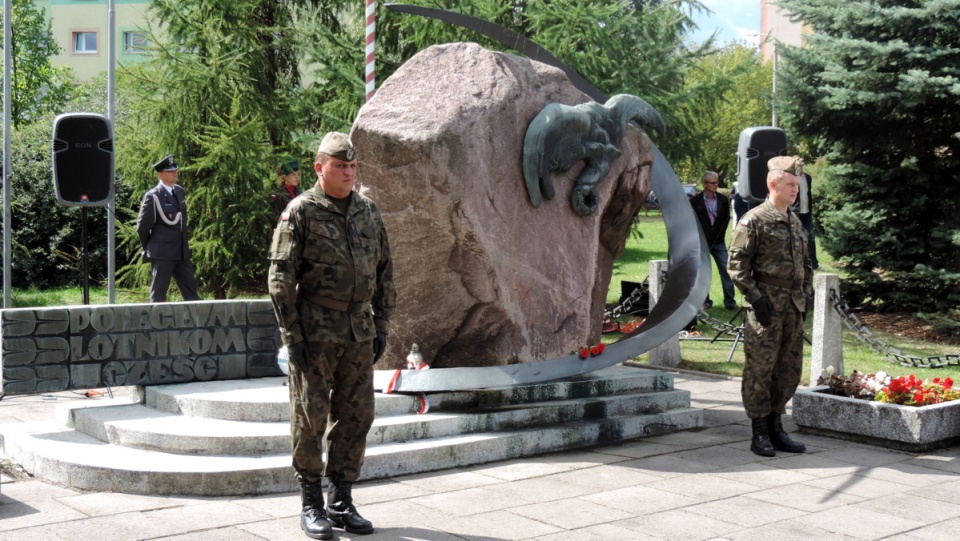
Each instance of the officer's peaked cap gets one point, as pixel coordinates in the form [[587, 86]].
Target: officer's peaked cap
[[169, 163]]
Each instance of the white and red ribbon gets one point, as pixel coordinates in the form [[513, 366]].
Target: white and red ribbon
[[371, 33]]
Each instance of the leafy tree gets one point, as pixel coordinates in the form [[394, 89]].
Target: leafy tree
[[876, 91], [742, 98], [36, 86]]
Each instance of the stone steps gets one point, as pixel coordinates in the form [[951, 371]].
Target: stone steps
[[232, 437]]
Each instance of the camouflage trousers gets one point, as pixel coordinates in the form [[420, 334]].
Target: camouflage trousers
[[774, 360], [333, 399]]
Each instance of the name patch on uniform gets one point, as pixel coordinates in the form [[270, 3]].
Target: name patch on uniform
[[285, 216]]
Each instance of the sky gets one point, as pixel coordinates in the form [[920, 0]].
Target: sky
[[732, 19]]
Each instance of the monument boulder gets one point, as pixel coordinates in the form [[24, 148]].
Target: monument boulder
[[484, 278]]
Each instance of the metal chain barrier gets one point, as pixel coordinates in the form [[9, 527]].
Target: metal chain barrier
[[721, 327], [629, 304], [892, 354], [636, 297]]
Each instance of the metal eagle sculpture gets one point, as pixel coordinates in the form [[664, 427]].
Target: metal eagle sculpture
[[562, 135]]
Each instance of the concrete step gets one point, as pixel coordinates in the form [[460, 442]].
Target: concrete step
[[66, 457], [267, 399], [232, 437], [141, 427]]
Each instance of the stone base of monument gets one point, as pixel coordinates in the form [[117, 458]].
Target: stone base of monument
[[893, 426], [232, 437]]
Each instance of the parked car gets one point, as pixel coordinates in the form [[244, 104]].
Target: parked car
[[690, 190]]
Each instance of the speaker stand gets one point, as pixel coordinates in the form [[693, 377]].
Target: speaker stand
[[83, 257]]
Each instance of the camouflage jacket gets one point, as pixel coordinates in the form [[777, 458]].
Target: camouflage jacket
[[768, 243], [318, 249]]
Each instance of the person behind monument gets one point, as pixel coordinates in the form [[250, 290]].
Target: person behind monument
[[713, 211], [769, 264], [287, 189], [162, 229], [331, 281]]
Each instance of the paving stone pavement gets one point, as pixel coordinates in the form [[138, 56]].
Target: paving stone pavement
[[701, 484]]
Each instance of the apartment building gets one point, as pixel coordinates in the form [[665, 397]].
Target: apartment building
[[775, 25], [80, 27]]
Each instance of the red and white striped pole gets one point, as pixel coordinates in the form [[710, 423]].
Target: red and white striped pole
[[371, 39]]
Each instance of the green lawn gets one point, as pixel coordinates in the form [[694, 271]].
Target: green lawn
[[707, 356]]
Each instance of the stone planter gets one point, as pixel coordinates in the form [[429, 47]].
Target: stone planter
[[906, 428]]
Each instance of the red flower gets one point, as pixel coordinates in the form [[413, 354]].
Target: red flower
[[584, 353], [597, 349]]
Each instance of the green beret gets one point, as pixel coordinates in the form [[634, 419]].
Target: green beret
[[289, 167], [790, 164], [337, 145]]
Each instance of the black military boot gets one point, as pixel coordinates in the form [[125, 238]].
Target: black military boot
[[313, 518], [761, 438], [340, 508], [779, 438]]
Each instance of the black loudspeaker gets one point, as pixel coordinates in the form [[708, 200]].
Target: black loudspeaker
[[83, 159], [757, 145]]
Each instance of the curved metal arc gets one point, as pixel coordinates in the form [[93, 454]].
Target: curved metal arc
[[688, 280]]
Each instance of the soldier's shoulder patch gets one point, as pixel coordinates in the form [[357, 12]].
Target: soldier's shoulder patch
[[745, 221], [285, 216]]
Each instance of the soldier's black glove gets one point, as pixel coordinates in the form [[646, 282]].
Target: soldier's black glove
[[763, 309], [299, 354], [379, 346], [808, 308]]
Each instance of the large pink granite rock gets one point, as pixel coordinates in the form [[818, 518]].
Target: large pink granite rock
[[483, 278]]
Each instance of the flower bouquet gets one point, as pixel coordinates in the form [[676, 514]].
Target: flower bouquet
[[880, 387]]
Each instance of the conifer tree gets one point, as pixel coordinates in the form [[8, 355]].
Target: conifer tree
[[218, 93], [876, 90]]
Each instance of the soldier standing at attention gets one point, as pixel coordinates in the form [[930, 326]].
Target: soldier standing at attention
[[162, 228], [288, 189], [331, 281], [769, 263]]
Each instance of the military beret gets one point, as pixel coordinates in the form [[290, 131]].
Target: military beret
[[166, 164], [289, 167], [338, 145], [790, 164]]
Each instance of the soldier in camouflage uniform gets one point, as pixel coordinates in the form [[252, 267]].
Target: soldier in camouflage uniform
[[331, 280], [769, 263]]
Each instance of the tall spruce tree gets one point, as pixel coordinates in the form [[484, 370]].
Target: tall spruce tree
[[876, 90], [218, 94]]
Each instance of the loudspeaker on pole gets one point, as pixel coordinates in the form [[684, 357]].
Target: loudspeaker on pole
[[83, 163], [757, 145]]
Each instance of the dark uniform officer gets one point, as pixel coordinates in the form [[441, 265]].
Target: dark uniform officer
[[770, 265], [162, 228], [331, 280], [289, 188]]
